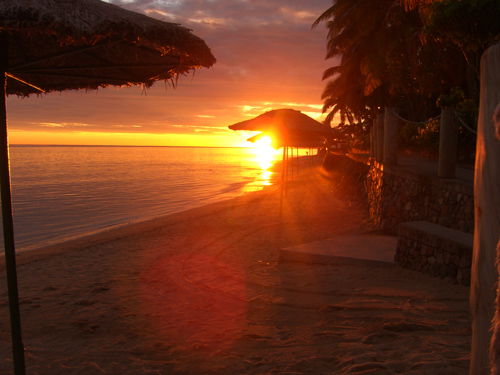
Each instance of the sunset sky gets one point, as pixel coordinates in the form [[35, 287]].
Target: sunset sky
[[267, 58]]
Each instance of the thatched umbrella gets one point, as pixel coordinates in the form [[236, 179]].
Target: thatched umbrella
[[284, 123], [287, 128], [56, 45]]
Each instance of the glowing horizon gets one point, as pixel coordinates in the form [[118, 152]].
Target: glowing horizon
[[241, 85]]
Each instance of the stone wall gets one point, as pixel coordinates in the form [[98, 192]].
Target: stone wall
[[396, 196], [433, 217], [435, 250]]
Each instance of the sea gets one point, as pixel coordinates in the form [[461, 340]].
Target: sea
[[64, 192]]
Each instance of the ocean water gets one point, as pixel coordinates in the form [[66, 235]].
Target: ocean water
[[63, 192]]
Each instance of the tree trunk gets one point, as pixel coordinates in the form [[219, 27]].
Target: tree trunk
[[495, 342], [487, 217]]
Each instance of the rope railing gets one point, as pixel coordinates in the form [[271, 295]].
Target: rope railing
[[435, 118], [464, 124], [413, 122]]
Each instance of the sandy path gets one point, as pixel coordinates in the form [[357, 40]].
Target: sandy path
[[202, 292]]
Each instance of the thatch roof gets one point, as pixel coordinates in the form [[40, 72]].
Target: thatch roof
[[282, 119], [57, 45], [286, 126]]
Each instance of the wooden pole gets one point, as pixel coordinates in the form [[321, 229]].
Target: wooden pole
[[286, 173], [495, 342], [391, 136], [448, 143], [373, 137], [380, 138], [283, 171], [8, 225], [484, 275], [298, 162]]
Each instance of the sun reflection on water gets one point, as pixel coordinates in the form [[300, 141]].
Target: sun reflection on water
[[266, 178]]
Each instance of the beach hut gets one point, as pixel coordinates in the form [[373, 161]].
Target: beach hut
[[57, 45], [284, 123], [287, 128]]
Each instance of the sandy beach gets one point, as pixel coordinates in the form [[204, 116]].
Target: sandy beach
[[203, 292]]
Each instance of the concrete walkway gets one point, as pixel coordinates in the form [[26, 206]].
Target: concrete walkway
[[346, 249], [463, 174]]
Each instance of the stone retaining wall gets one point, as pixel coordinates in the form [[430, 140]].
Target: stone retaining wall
[[433, 217], [435, 250], [396, 196]]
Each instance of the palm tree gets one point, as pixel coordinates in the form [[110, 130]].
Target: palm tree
[[393, 61], [469, 26], [356, 37], [414, 4]]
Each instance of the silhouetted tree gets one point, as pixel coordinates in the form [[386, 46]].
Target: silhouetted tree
[[404, 53]]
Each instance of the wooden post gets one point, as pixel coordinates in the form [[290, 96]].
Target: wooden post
[[380, 138], [484, 275], [283, 172], [286, 173], [298, 162], [495, 341], [391, 136], [373, 137], [8, 225], [448, 142]]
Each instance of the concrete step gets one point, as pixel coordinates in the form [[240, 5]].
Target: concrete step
[[347, 249], [436, 250]]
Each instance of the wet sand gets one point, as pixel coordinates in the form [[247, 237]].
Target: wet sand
[[203, 292]]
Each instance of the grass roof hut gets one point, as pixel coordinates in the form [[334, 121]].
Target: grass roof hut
[[286, 124], [56, 45], [287, 128]]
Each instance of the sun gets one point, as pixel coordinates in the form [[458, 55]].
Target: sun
[[264, 152], [264, 142]]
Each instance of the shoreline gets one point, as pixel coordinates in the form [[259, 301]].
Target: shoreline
[[111, 228], [128, 229], [276, 181], [203, 292], [27, 241]]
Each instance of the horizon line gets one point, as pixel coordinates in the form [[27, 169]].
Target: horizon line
[[70, 145]]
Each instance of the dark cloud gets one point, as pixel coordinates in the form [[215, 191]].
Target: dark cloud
[[267, 57]]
